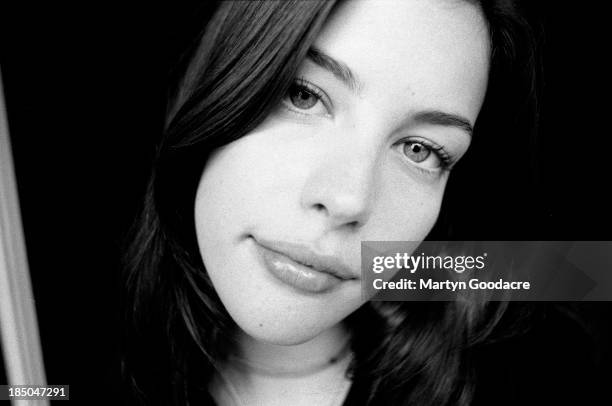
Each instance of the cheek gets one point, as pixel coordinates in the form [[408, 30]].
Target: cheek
[[220, 193], [407, 207], [233, 183], [242, 186]]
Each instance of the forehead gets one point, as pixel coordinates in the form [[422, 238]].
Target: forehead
[[417, 53]]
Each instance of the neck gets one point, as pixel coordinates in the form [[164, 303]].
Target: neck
[[318, 352]]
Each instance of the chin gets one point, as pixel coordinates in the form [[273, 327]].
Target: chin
[[278, 330]]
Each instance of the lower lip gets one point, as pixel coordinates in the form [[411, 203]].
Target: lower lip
[[296, 275]]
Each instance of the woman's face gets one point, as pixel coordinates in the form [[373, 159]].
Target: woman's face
[[359, 149]]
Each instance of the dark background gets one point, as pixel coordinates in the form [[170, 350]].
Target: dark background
[[85, 88]]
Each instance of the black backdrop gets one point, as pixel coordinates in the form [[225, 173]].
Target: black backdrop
[[85, 89]]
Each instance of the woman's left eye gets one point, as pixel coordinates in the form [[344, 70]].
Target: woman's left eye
[[305, 98], [427, 155], [416, 151]]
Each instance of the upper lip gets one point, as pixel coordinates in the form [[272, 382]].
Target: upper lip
[[306, 256]]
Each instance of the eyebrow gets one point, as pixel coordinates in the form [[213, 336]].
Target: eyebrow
[[436, 117], [337, 68], [344, 74]]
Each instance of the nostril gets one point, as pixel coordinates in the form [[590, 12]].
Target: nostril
[[319, 207]]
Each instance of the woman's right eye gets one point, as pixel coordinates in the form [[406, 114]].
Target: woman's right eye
[[302, 98], [305, 98]]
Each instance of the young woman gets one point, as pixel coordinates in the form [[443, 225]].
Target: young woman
[[300, 129]]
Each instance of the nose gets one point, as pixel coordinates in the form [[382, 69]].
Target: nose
[[341, 187]]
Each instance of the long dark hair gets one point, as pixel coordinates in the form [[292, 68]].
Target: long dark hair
[[175, 325]]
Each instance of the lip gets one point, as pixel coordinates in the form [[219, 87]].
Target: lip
[[301, 267]]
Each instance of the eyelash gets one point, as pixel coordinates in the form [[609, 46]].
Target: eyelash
[[446, 160], [315, 91]]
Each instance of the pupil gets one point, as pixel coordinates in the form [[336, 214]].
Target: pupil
[[302, 98]]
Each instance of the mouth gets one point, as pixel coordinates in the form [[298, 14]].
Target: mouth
[[301, 267]]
